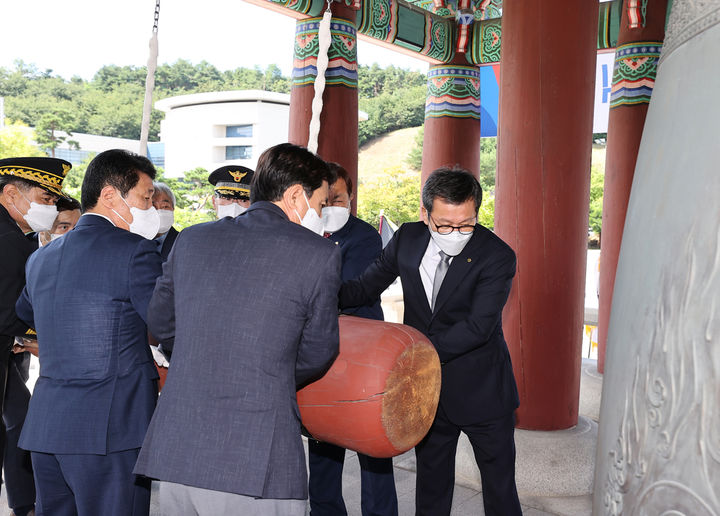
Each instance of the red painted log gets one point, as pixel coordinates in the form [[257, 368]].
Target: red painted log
[[381, 393]]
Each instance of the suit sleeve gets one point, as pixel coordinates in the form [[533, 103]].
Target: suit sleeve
[[145, 268], [161, 309], [12, 281], [24, 311], [366, 289], [320, 340], [360, 255], [488, 300]]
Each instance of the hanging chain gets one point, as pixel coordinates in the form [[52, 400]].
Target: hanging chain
[[157, 16], [643, 11]]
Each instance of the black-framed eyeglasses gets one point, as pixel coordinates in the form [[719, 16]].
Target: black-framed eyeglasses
[[466, 229]]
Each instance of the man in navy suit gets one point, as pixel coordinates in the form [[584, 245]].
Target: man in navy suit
[[456, 277], [248, 306], [87, 296], [360, 245]]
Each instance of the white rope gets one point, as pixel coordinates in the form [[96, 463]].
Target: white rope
[[149, 84], [324, 40]]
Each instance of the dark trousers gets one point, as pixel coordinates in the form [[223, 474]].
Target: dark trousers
[[378, 496], [18, 473], [493, 444], [90, 485]]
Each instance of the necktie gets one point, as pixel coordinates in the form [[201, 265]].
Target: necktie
[[440, 272]]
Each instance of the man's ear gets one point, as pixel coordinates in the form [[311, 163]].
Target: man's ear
[[108, 197], [291, 201], [424, 215], [293, 194], [11, 191]]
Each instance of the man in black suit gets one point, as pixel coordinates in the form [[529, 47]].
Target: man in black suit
[[360, 245], [29, 191], [248, 306], [164, 203], [456, 277]]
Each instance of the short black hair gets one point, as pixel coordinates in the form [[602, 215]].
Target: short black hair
[[285, 165], [68, 204], [17, 181], [341, 173], [116, 167], [453, 185]]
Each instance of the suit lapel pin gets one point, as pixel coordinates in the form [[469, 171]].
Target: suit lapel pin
[[469, 260]]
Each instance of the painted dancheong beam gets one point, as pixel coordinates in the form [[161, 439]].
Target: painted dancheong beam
[[428, 30]]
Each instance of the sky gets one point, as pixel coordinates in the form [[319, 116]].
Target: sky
[[78, 37]]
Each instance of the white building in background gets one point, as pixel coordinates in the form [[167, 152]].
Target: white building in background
[[213, 129]]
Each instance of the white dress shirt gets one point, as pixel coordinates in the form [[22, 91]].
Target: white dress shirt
[[98, 215], [428, 264]]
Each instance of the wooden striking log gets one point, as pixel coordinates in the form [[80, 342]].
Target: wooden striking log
[[381, 393]]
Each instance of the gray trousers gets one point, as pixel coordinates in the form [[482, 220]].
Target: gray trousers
[[181, 500]]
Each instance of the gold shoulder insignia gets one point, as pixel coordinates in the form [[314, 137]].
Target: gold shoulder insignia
[[237, 176]]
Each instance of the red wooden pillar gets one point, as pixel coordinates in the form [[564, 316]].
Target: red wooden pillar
[[338, 139], [542, 193], [452, 117], [636, 58]]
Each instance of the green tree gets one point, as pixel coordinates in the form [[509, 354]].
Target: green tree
[[15, 82], [373, 80], [397, 192], [50, 128], [273, 80], [72, 184], [414, 158], [488, 163], [597, 183], [488, 160], [486, 213], [390, 111], [193, 195], [192, 190], [16, 140], [109, 78]]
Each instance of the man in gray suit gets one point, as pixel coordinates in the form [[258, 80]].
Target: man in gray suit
[[248, 306]]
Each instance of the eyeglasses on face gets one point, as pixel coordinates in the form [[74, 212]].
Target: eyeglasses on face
[[466, 229]]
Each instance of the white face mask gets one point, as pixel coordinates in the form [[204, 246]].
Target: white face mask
[[311, 220], [452, 244], [145, 222], [335, 217], [230, 210], [167, 219], [40, 217]]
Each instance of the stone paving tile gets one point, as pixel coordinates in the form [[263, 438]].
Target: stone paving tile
[[472, 506], [529, 511], [466, 501]]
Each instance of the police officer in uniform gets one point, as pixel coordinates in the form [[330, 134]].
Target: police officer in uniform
[[29, 190], [232, 190]]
